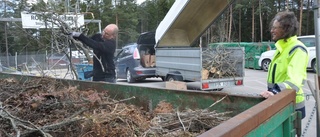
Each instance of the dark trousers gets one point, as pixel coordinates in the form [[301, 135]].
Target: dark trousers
[[303, 112], [110, 80]]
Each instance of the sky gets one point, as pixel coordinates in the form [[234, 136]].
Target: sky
[[140, 1]]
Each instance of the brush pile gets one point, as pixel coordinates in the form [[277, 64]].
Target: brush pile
[[46, 108]]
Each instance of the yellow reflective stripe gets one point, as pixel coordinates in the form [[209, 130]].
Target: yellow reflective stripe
[[296, 47], [282, 86], [293, 86], [300, 104]]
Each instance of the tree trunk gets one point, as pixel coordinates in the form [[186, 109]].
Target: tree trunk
[[240, 24], [230, 23], [261, 27], [278, 6], [300, 19], [308, 14], [226, 26], [252, 36]]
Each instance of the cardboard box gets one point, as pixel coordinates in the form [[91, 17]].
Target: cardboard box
[[177, 85], [146, 60], [152, 60]]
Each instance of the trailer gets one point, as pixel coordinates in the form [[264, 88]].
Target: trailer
[[251, 115], [180, 58]]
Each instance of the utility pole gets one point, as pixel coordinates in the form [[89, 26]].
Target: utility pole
[[67, 4], [6, 39], [317, 31], [5, 33], [117, 23]]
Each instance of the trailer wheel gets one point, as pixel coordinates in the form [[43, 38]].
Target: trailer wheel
[[129, 77], [219, 89], [173, 78], [163, 78]]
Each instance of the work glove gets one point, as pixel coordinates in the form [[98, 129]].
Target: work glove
[[275, 89], [75, 34]]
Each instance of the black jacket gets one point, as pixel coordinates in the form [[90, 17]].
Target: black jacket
[[104, 50]]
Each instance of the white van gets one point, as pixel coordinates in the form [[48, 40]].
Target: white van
[[308, 40]]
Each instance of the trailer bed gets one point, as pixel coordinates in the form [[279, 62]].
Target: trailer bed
[[186, 64]]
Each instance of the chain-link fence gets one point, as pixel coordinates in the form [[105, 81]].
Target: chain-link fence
[[38, 64]]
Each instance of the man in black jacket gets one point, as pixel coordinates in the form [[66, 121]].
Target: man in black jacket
[[103, 65]]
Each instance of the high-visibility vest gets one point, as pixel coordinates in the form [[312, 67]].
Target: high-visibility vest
[[288, 68]]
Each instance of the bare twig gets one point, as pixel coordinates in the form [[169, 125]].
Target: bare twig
[[184, 129], [13, 118], [216, 102], [123, 100]]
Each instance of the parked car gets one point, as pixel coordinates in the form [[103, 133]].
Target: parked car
[[136, 61], [308, 40]]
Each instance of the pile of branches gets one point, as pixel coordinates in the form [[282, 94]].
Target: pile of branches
[[44, 107], [61, 40], [219, 62], [186, 123]]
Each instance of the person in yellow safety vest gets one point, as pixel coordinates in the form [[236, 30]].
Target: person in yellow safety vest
[[287, 69]]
